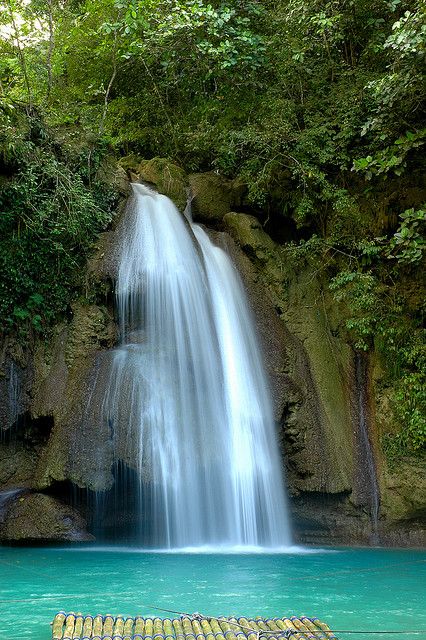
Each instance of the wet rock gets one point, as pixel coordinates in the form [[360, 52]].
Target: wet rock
[[17, 465], [167, 178], [213, 196], [323, 518], [79, 449], [15, 384], [35, 517]]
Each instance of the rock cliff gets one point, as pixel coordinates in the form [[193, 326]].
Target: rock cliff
[[54, 447]]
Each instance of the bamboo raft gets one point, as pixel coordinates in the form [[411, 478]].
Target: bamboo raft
[[75, 626]]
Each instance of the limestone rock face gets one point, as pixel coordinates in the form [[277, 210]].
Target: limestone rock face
[[404, 491], [17, 466], [316, 414], [167, 178], [317, 396], [34, 517], [213, 196], [51, 424], [78, 450], [15, 383]]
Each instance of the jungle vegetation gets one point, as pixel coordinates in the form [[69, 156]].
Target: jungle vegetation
[[318, 105]]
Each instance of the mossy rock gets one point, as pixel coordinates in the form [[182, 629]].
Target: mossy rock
[[248, 232], [404, 491], [130, 162], [17, 464], [66, 370], [213, 196], [259, 247], [40, 518], [167, 178], [318, 410], [92, 328]]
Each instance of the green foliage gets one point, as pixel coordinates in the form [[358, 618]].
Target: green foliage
[[383, 317], [215, 38], [408, 243], [49, 219], [393, 158]]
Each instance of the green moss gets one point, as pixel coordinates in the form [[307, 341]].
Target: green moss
[[213, 196], [167, 178], [307, 315], [404, 490]]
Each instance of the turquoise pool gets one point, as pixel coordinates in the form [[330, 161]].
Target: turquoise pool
[[361, 589]]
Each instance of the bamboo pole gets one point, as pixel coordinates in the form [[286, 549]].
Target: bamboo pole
[[87, 627], [78, 627], [58, 623], [69, 627], [108, 627], [118, 631], [128, 629]]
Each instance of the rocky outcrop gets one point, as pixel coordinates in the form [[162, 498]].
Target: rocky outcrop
[[15, 383], [316, 417], [35, 517], [167, 178], [113, 176], [53, 435], [404, 491], [213, 196], [78, 449], [17, 465]]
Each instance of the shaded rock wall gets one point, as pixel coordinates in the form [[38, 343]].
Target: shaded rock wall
[[35, 517], [65, 372]]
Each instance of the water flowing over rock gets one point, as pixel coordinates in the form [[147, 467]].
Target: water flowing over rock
[[188, 382], [62, 436]]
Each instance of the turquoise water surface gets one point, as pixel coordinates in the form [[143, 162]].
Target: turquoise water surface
[[361, 589]]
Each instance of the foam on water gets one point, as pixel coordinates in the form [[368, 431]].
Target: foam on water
[[205, 549]]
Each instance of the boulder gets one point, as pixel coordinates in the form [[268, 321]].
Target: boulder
[[167, 178], [35, 517], [213, 196]]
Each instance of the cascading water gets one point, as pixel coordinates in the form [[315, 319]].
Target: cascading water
[[188, 380]]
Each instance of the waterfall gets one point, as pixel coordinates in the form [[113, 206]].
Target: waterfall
[[188, 383]]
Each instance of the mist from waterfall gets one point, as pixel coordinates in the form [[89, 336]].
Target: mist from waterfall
[[189, 381]]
